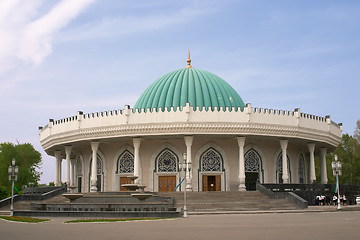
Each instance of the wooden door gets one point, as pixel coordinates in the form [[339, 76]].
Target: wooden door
[[211, 183], [167, 183], [218, 183], [205, 183], [124, 180]]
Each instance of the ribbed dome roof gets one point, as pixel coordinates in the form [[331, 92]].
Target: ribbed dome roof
[[199, 88]]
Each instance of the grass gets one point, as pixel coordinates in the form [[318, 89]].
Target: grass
[[24, 219], [112, 220]]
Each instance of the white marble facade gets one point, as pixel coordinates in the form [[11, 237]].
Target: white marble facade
[[225, 147]]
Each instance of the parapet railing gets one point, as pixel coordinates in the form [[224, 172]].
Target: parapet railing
[[35, 194], [247, 114], [310, 191]]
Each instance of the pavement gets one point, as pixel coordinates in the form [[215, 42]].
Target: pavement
[[309, 224], [330, 208]]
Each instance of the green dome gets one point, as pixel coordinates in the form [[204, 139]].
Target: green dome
[[199, 88]]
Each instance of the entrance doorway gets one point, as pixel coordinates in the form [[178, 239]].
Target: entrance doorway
[[250, 180], [167, 183], [124, 180], [99, 183], [211, 183], [79, 184]]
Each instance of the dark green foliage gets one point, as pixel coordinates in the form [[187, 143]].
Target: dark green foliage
[[28, 160], [348, 153]]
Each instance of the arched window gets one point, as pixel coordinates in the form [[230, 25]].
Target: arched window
[[79, 167], [125, 163], [302, 175], [211, 161], [79, 173], [99, 173], [279, 169], [252, 161], [167, 161]]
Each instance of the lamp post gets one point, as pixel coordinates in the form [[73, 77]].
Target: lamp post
[[184, 168], [13, 172], [336, 167]]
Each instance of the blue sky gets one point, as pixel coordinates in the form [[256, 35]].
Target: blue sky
[[61, 56]]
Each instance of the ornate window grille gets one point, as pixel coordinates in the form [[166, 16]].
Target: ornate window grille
[[211, 161], [279, 169], [126, 162], [252, 161], [301, 169], [167, 161], [99, 173], [99, 169], [78, 167]]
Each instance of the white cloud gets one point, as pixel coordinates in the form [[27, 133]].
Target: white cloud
[[37, 38], [26, 33]]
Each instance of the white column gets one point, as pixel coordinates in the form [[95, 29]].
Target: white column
[[137, 162], [73, 172], [311, 147], [285, 172], [93, 178], [60, 172], [57, 181], [67, 173], [188, 142], [324, 179], [241, 143]]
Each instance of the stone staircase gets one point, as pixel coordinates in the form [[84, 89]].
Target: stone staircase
[[26, 205], [101, 204], [197, 202], [229, 201]]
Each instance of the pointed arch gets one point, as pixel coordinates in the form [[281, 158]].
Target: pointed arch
[[165, 161], [211, 161], [125, 163], [254, 164], [79, 173], [206, 152]]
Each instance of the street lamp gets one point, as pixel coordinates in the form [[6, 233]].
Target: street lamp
[[336, 167], [184, 168], [13, 172]]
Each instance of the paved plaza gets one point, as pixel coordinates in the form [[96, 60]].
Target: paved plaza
[[307, 225]]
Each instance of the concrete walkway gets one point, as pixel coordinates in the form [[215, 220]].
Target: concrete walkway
[[306, 225]]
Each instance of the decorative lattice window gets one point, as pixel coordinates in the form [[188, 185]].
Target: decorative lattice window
[[126, 162], [280, 163], [252, 161], [99, 169], [301, 169], [78, 167], [211, 161], [166, 161]]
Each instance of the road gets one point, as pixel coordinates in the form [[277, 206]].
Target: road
[[307, 225]]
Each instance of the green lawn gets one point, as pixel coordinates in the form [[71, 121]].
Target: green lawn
[[112, 220], [24, 219]]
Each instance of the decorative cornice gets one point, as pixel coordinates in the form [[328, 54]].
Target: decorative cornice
[[165, 129]]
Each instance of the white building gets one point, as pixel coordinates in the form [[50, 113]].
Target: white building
[[229, 145]]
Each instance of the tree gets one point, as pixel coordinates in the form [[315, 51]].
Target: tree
[[28, 160]]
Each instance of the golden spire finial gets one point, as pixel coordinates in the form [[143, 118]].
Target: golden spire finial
[[188, 60]]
